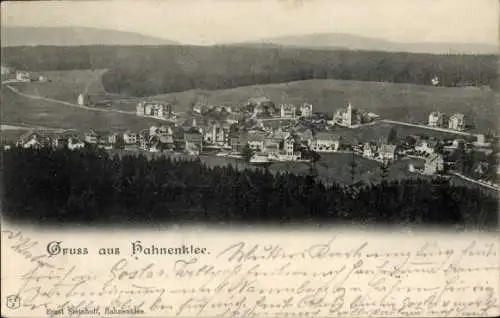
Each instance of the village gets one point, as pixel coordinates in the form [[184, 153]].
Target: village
[[262, 132]]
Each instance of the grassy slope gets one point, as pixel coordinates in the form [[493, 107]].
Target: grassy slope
[[404, 102], [64, 85], [17, 109]]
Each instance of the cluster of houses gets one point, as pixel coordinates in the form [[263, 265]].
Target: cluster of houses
[[40, 139], [156, 109], [25, 76], [352, 117], [154, 139], [456, 121], [258, 107], [272, 133]]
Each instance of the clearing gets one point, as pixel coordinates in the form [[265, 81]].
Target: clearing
[[23, 111]]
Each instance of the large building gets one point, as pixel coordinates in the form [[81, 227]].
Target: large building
[[348, 116], [325, 142], [457, 122], [306, 110], [22, 76], [434, 164], [437, 119], [288, 111], [160, 110]]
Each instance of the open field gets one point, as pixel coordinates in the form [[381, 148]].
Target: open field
[[20, 110], [379, 132], [67, 85], [403, 102], [64, 85]]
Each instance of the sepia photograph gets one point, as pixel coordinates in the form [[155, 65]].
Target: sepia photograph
[[250, 158], [210, 115]]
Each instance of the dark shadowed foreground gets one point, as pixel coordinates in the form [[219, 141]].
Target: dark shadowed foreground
[[90, 187]]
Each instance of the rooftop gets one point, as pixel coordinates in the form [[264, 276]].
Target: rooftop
[[326, 136], [387, 148]]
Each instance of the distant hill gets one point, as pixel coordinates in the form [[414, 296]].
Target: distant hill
[[74, 36], [354, 42]]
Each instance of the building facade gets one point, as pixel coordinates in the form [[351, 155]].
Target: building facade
[[457, 122], [437, 119]]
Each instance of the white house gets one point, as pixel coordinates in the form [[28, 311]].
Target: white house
[[348, 117], [22, 76], [325, 142], [435, 81], [369, 150], [219, 133], [387, 152], [457, 122], [288, 111], [426, 146], [256, 141], [75, 143], [164, 133], [288, 152], [193, 143], [130, 138], [437, 119], [306, 110], [30, 140], [160, 110], [434, 164]]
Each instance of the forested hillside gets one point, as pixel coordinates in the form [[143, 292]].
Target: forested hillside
[[152, 70], [91, 187]]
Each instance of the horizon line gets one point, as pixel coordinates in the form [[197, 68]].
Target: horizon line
[[255, 40]]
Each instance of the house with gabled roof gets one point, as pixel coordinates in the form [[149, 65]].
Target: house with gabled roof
[[91, 137], [426, 146], [31, 139], [433, 164], [130, 137], [437, 119], [370, 149], [457, 122], [387, 152], [256, 141], [325, 142], [193, 142]]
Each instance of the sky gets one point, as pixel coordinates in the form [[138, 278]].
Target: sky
[[205, 22]]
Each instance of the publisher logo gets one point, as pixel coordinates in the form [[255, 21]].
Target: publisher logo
[[13, 302]]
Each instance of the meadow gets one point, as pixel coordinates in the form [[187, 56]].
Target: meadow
[[379, 132], [20, 110], [403, 102], [64, 85]]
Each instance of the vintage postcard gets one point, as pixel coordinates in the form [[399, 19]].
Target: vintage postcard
[[250, 158]]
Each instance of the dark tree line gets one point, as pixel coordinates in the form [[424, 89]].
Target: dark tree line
[[150, 70], [90, 186]]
